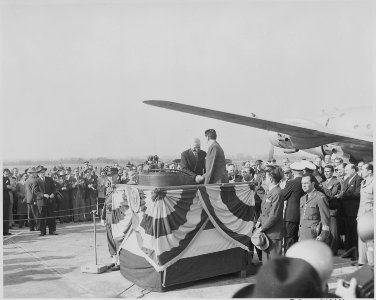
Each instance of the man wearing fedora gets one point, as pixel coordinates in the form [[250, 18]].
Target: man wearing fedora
[[33, 192], [270, 221], [46, 204]]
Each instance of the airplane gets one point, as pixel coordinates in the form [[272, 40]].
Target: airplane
[[348, 132]]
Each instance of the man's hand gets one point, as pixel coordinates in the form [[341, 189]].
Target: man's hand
[[258, 224], [52, 195], [46, 196], [348, 291], [198, 178], [103, 222]]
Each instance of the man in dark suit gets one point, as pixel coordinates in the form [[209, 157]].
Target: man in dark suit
[[215, 161], [331, 187], [350, 198], [193, 160], [291, 194], [271, 217], [33, 192], [47, 205]]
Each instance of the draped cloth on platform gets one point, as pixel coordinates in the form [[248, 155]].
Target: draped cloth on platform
[[166, 221]]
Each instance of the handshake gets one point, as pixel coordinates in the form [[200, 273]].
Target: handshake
[[199, 179]]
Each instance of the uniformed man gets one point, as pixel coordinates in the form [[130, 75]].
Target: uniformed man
[[331, 187], [314, 212]]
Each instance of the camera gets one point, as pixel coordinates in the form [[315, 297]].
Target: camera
[[364, 278]]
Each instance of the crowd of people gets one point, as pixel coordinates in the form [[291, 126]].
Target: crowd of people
[[304, 200]]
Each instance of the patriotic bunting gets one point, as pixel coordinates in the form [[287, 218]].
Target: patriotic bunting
[[166, 221]]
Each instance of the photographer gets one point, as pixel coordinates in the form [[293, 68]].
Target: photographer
[[360, 284]]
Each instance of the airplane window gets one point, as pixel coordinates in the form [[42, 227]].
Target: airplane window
[[356, 126], [369, 126]]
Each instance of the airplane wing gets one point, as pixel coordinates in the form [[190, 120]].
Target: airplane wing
[[310, 135]]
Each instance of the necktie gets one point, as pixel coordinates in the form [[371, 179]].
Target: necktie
[[195, 153]]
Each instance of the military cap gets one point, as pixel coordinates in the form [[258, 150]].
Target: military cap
[[308, 165], [297, 166]]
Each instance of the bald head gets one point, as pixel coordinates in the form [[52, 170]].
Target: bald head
[[195, 144]]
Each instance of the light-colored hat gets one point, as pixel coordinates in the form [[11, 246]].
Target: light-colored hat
[[259, 239], [308, 165], [297, 166]]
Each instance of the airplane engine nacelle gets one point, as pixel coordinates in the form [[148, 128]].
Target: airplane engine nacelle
[[290, 151], [329, 149], [280, 140]]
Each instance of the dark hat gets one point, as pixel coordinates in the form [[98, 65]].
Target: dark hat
[[284, 277], [259, 161], [86, 162], [259, 239], [54, 169], [41, 169], [68, 169], [6, 169], [31, 170], [112, 171]]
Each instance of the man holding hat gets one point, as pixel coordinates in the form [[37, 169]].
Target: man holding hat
[[33, 192], [291, 194], [270, 221], [48, 203], [106, 218]]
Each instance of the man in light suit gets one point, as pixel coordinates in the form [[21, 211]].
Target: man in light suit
[[271, 217], [366, 206], [350, 197], [193, 160], [215, 161], [33, 193]]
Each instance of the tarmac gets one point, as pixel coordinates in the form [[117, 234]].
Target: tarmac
[[50, 267]]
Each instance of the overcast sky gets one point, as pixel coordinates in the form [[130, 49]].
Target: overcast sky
[[75, 73]]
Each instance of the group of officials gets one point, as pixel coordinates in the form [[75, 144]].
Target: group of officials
[[295, 202]]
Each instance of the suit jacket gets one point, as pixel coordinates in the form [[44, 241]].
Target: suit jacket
[[271, 217], [291, 194], [366, 197], [47, 187], [215, 165], [192, 165], [33, 190], [351, 196], [330, 189]]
